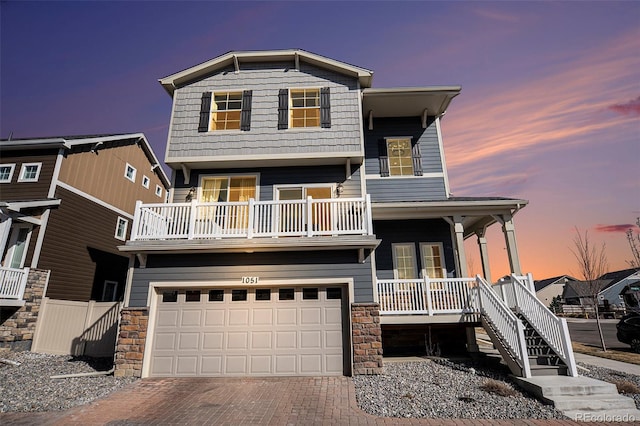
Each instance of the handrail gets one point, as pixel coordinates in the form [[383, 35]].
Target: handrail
[[506, 324], [552, 329], [252, 219], [426, 296], [13, 281]]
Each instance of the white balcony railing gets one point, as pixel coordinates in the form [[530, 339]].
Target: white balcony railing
[[427, 296], [252, 219], [12, 283]]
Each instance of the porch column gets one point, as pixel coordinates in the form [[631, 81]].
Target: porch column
[[458, 229], [484, 256], [509, 231], [5, 229]]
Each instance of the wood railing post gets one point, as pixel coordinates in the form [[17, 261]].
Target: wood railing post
[[309, 217], [367, 201], [427, 289], [250, 225], [193, 214], [136, 221]]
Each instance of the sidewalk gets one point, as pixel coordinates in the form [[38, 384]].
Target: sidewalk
[[611, 364]]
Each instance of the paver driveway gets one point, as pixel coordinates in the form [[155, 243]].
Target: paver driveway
[[237, 401]]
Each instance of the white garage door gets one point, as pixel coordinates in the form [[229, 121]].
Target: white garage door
[[296, 331]]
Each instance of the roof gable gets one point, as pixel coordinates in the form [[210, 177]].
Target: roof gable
[[236, 58]]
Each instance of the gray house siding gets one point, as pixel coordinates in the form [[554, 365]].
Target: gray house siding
[[272, 176], [264, 138], [410, 231], [267, 266], [418, 188]]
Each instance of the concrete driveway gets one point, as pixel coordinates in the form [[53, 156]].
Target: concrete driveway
[[239, 401]]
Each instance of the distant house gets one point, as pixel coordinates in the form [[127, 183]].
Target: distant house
[[621, 290], [66, 203], [580, 292], [549, 288]]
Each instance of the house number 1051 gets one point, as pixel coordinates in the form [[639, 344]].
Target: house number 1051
[[250, 280]]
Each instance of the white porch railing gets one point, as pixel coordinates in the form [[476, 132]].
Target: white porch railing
[[552, 329], [505, 323], [426, 296], [13, 282], [252, 219]]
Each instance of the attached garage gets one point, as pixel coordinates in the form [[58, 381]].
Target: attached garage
[[244, 331]]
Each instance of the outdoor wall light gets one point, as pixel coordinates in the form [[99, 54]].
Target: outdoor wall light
[[339, 189]]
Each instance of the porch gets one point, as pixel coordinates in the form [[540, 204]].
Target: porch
[[12, 285]]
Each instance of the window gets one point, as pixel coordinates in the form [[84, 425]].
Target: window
[[130, 172], [334, 293], [158, 191], [223, 189], [110, 291], [309, 294], [286, 294], [6, 172], [216, 295], [30, 172], [404, 261], [225, 111], [263, 294], [400, 159], [121, 228], [432, 260], [238, 295], [170, 296], [18, 243], [145, 181], [305, 108], [192, 296]]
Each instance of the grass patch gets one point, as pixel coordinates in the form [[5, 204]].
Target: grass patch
[[498, 388], [630, 357]]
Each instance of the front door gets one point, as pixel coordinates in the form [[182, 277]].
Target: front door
[[18, 243]]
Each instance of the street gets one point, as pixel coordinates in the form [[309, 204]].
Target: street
[[585, 331]]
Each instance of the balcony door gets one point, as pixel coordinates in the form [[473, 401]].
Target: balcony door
[[227, 189], [292, 218], [17, 247]]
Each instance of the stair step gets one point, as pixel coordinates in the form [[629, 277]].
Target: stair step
[[593, 402], [551, 387], [548, 370]]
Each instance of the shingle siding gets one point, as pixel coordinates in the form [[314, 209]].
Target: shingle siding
[[228, 267], [264, 138], [419, 188]]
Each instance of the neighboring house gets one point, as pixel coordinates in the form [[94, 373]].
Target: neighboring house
[[622, 289], [549, 288], [66, 203], [581, 292], [310, 225]]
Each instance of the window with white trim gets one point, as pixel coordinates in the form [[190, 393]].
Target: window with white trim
[[121, 228], [29, 172], [433, 260], [227, 188], [225, 111], [6, 172], [158, 191], [400, 159], [110, 291], [145, 181], [404, 261], [305, 108], [130, 172]]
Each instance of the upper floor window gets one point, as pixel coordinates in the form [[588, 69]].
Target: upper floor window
[[225, 111], [304, 108], [30, 172], [145, 181], [6, 172], [130, 172], [432, 260], [121, 228], [158, 191], [399, 157]]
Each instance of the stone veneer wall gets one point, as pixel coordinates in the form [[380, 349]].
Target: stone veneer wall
[[367, 338], [18, 324], [131, 341]]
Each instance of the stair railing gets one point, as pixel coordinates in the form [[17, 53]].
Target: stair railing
[[552, 329], [505, 323]]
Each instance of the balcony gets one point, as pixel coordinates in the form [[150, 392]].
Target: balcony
[[420, 300], [253, 225], [12, 284]]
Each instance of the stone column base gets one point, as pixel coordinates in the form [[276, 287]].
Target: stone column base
[[367, 338], [131, 341]]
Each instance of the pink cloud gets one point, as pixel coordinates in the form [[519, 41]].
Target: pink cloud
[[615, 228], [628, 108]]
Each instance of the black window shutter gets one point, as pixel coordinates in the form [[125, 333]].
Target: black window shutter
[[245, 115], [416, 156], [325, 108], [205, 109], [384, 157], [283, 109]]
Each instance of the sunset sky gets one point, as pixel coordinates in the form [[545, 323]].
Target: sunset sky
[[549, 109]]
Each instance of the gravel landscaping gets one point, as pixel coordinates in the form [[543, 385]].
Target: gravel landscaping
[[622, 380], [29, 387], [437, 388]]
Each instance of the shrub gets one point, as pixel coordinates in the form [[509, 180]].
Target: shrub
[[498, 388], [626, 387]]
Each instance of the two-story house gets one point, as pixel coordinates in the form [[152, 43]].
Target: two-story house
[[66, 204], [310, 225]]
